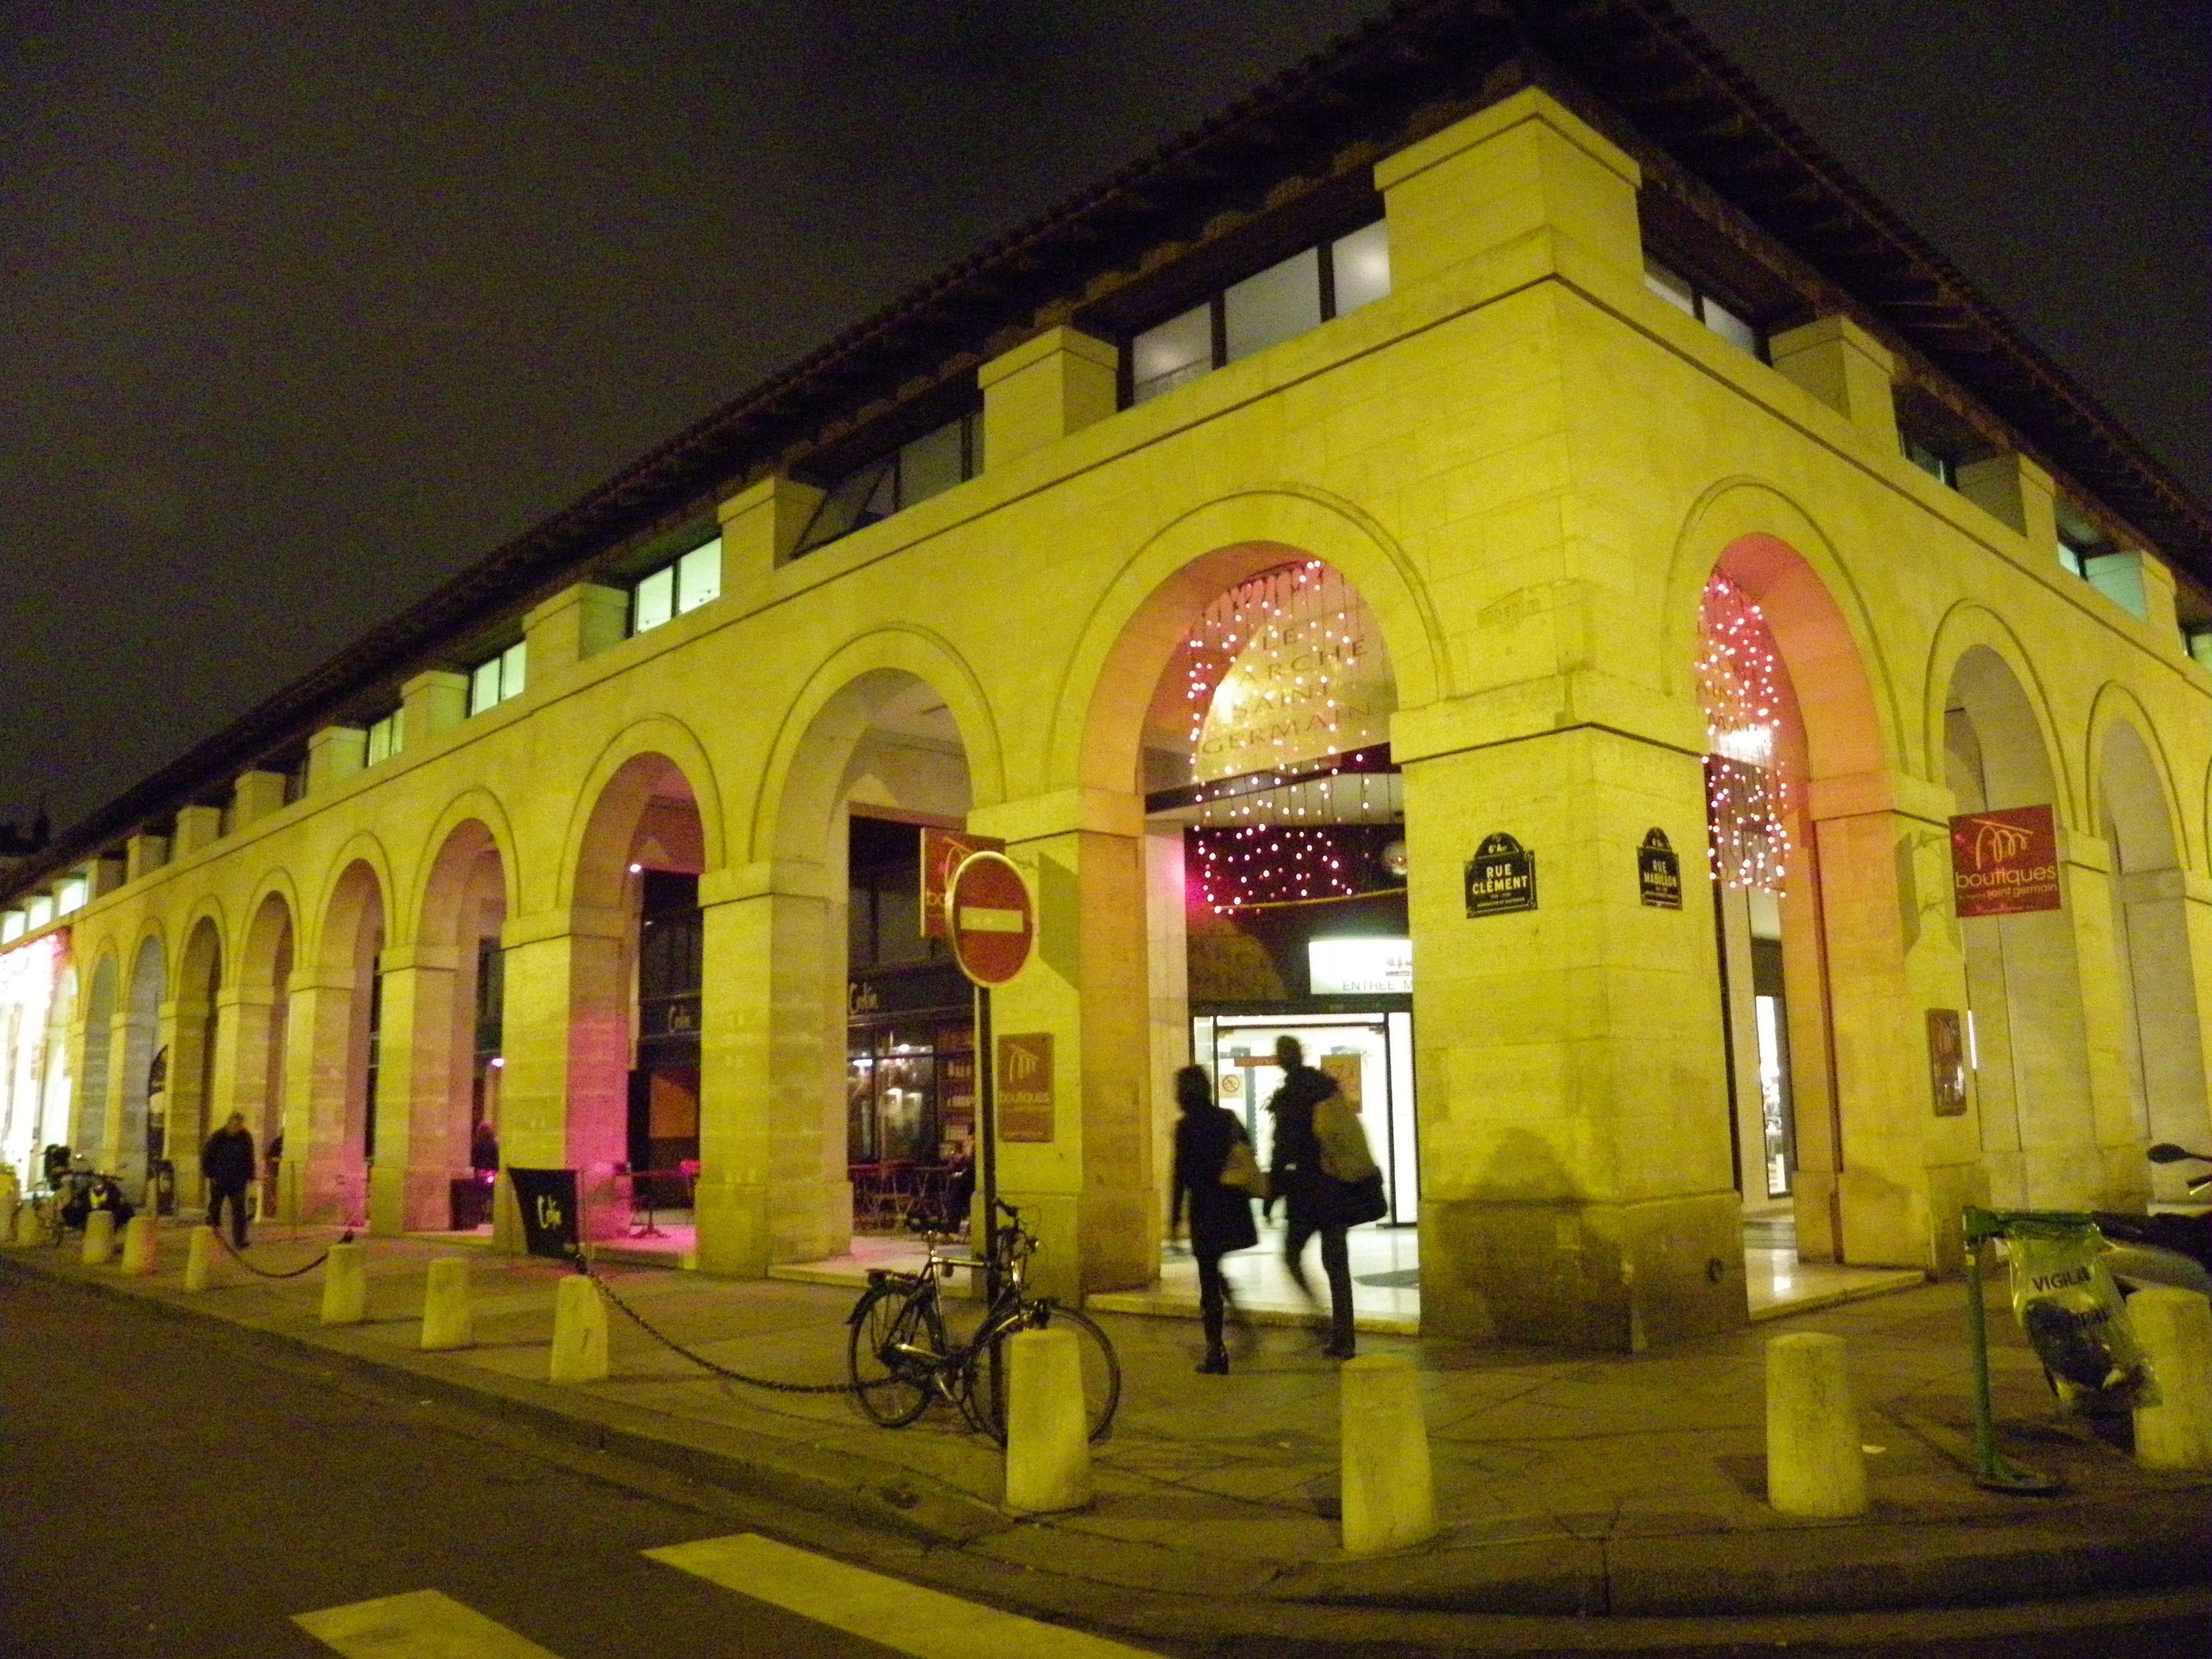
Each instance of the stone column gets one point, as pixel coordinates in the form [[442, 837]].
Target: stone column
[[772, 1182], [1575, 1153], [2111, 1173], [239, 1080], [184, 1033], [568, 1036], [418, 1147], [321, 1163], [1088, 1192]]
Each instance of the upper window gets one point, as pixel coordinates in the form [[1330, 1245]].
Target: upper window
[[684, 584], [71, 895], [497, 679], [929, 465], [387, 737], [38, 912], [1687, 297], [1937, 464], [1289, 297], [12, 926]]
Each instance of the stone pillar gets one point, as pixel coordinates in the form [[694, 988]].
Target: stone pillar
[[196, 827], [184, 1032], [143, 855], [2169, 1181], [576, 622], [2015, 492], [2109, 1172], [103, 875], [1576, 1176], [1089, 1191], [237, 1080], [321, 1161], [335, 754], [255, 796], [1044, 389], [772, 1182], [418, 1147], [1846, 369], [436, 701], [760, 527], [1525, 168], [568, 1037]]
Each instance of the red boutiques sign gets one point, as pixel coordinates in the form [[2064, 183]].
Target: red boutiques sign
[[2004, 863]]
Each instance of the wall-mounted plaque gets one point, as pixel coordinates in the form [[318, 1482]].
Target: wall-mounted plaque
[[1025, 1086], [1947, 1061], [2004, 863], [1659, 872], [1501, 877]]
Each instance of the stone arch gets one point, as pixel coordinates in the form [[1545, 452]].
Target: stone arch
[[89, 1128], [2129, 765], [478, 817], [146, 987], [1135, 625], [1969, 627], [192, 1034], [619, 782], [259, 1007], [360, 874], [335, 1063]]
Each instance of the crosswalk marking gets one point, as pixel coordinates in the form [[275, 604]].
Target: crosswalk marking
[[926, 1623], [420, 1625]]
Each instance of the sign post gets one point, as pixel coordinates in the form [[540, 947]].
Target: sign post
[[992, 922]]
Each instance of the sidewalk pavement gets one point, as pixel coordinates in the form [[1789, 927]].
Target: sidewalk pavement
[[1568, 1485]]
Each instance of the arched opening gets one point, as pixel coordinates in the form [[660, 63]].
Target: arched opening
[[448, 1122], [197, 1016], [2163, 1046], [635, 1099], [142, 1136], [38, 1000], [88, 1129], [343, 1082], [2028, 1043], [261, 1006]]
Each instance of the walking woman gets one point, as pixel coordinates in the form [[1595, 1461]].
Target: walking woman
[[1220, 1214]]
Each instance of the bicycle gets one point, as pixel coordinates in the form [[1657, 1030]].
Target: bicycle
[[903, 1358]]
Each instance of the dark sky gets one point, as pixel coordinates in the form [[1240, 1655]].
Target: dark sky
[[308, 306]]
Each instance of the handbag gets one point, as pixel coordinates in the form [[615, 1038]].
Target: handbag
[[1344, 1154], [1242, 1171], [1355, 1201]]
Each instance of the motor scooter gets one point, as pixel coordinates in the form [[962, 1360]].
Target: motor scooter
[[2166, 1248]]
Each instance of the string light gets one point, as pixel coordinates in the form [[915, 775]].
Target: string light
[[1234, 869], [1747, 798], [1241, 653]]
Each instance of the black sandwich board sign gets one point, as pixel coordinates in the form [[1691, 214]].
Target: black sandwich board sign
[[547, 1198], [1659, 872], [1501, 877]]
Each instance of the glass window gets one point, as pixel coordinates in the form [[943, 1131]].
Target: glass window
[[699, 576], [514, 670], [498, 678], [655, 600], [1930, 460], [1730, 326], [39, 911], [1361, 265], [70, 896], [1674, 288], [11, 926], [2070, 558], [931, 464], [1280, 303], [483, 686], [1178, 350], [2199, 643], [387, 737], [924, 466]]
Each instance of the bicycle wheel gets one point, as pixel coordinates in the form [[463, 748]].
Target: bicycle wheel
[[892, 1386], [1102, 1371]]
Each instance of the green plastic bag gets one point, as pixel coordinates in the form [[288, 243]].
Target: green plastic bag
[[2074, 1316]]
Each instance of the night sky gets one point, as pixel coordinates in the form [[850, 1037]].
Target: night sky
[[306, 307]]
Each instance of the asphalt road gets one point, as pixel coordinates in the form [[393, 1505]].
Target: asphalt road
[[172, 1493]]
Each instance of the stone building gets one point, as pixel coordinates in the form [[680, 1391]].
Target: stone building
[[1495, 555]]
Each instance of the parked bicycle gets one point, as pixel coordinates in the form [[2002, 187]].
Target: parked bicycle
[[905, 1357]]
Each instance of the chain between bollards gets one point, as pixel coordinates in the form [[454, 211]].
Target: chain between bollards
[[584, 1266], [347, 1238]]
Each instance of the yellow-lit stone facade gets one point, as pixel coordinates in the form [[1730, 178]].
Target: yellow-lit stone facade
[[1529, 466]]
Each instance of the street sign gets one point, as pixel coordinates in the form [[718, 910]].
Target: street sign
[[2004, 863], [991, 918], [941, 852]]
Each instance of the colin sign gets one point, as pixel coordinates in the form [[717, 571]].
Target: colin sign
[[2004, 863]]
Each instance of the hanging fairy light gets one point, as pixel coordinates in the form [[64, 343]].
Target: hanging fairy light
[[1739, 684], [1237, 868], [1271, 655]]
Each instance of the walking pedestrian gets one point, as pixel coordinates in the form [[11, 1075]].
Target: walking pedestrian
[[1322, 1171], [1207, 1173], [229, 1163]]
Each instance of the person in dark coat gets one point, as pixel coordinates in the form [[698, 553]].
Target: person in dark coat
[[1220, 1217], [1308, 1193], [229, 1163]]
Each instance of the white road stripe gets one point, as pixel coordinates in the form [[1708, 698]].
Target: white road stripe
[[926, 1623], [420, 1625]]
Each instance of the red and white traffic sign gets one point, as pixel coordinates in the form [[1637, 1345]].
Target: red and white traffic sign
[[991, 918]]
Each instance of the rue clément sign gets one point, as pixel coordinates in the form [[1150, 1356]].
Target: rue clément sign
[[1501, 877], [2004, 863]]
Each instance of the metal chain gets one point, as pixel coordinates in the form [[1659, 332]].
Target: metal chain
[[700, 1360], [346, 1239]]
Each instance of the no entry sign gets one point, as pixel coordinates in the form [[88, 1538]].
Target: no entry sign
[[990, 917]]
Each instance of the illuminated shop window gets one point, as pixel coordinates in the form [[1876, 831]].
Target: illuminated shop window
[[1688, 298], [1333, 279], [72, 896], [497, 679], [387, 737], [929, 465], [682, 586]]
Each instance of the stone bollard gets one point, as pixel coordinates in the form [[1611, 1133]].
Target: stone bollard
[[1815, 1465], [98, 1238], [199, 1258], [28, 1230], [345, 1285], [1048, 1431], [1389, 1493], [2175, 1328], [446, 1304], [580, 1332], [142, 1247]]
